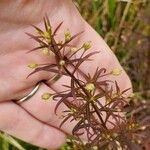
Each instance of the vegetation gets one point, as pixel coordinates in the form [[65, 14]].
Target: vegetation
[[125, 27]]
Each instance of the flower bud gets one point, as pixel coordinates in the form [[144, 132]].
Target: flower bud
[[46, 96], [87, 45], [50, 29], [116, 72], [46, 35], [61, 62], [67, 35], [33, 66], [90, 87]]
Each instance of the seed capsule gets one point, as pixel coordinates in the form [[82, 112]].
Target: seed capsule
[[67, 35], [87, 45], [90, 87], [46, 35], [62, 63], [33, 66], [46, 96], [116, 72]]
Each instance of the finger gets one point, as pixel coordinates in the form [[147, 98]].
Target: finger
[[14, 72], [44, 110], [17, 122]]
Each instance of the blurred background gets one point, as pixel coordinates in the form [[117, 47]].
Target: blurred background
[[125, 26]]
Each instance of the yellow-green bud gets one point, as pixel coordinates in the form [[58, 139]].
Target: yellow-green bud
[[67, 35], [33, 66], [116, 72], [46, 96], [46, 35], [92, 98], [62, 63], [90, 87], [49, 40], [45, 51], [87, 45], [132, 126]]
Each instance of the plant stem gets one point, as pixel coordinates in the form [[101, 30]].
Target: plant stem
[[100, 117], [76, 80]]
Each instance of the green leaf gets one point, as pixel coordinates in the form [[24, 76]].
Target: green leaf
[[8, 139], [111, 11]]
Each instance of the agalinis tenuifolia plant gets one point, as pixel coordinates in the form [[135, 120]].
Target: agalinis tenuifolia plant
[[102, 122]]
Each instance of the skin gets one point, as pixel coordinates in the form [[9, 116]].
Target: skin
[[34, 121]]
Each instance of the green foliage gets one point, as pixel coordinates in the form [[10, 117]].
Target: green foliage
[[111, 12]]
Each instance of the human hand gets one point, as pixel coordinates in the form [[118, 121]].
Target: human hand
[[16, 70]]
